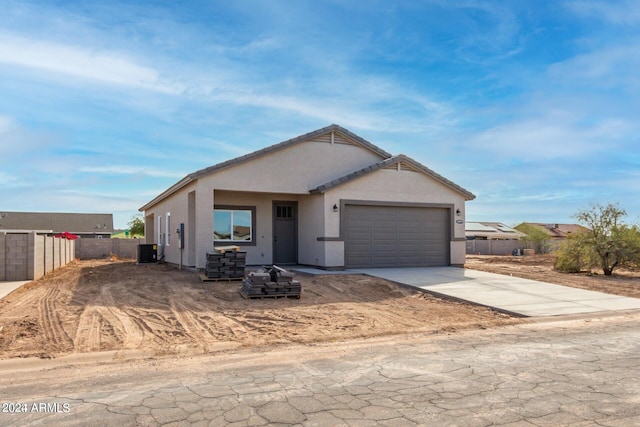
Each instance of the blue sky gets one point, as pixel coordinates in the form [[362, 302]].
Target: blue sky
[[531, 105]]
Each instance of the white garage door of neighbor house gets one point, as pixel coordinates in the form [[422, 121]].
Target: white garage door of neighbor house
[[396, 236]]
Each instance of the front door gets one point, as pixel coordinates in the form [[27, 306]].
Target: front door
[[285, 232]]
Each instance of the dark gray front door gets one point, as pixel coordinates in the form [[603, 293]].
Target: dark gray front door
[[285, 232], [396, 236]]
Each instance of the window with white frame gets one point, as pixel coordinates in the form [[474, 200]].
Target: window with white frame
[[233, 225]]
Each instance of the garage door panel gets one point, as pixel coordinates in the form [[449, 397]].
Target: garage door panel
[[388, 236], [360, 235], [380, 236]]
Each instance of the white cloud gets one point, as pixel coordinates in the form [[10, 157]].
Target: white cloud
[[546, 139], [130, 170], [6, 124], [607, 67], [75, 61], [619, 12], [11, 181]]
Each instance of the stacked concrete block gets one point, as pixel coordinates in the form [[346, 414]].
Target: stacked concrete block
[[3, 238], [29, 256], [271, 282], [16, 257], [225, 265]]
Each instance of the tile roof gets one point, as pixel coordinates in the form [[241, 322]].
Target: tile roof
[[557, 230], [331, 128], [401, 158], [77, 223], [270, 149]]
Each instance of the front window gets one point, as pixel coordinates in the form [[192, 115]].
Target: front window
[[232, 225]]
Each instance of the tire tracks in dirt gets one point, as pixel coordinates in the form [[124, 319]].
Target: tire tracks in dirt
[[50, 320], [211, 327], [89, 332], [133, 335]]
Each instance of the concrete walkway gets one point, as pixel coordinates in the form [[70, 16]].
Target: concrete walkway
[[523, 297], [7, 287]]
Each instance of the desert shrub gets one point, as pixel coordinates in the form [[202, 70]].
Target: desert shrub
[[535, 238], [571, 258], [608, 242]]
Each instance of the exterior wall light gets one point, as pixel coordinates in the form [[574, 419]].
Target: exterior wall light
[[458, 212], [335, 207]]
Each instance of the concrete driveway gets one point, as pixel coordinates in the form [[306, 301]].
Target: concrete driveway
[[7, 287], [510, 294]]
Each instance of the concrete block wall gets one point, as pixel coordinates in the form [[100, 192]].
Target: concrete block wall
[[126, 248], [102, 248], [493, 247], [40, 255], [16, 257], [3, 237], [48, 249], [29, 256]]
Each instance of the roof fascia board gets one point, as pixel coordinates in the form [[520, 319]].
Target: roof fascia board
[[264, 151], [392, 161]]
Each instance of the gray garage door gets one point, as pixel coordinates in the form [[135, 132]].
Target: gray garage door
[[392, 236]]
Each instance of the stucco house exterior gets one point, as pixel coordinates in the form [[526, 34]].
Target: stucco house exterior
[[328, 198]]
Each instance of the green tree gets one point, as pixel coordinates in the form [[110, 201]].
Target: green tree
[[608, 242], [536, 238], [136, 226]]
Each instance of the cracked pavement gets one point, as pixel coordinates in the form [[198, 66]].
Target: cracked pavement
[[572, 372]]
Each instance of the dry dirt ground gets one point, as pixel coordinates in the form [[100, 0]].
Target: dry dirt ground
[[103, 305], [540, 267]]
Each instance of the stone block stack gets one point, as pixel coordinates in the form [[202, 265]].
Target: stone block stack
[[271, 282], [225, 265]]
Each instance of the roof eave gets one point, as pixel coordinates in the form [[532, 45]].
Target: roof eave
[[168, 192], [388, 162], [270, 149]]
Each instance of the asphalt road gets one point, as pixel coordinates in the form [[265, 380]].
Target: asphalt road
[[578, 372]]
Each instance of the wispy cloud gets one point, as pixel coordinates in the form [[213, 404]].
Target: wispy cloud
[[80, 62], [625, 12], [129, 170], [547, 138]]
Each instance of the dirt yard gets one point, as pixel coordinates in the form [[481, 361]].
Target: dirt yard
[[540, 267], [104, 305]]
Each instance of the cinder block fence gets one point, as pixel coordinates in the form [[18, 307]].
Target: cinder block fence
[[29, 255]]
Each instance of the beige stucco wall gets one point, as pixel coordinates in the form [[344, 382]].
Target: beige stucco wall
[[296, 169], [310, 220], [177, 207], [262, 251], [310, 227]]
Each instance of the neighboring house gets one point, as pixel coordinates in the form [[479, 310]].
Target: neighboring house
[[555, 231], [492, 238], [84, 225], [491, 231], [328, 198]]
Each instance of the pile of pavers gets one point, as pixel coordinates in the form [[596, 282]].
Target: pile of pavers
[[225, 265], [271, 282]]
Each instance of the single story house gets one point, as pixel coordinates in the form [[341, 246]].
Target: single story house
[[84, 225], [491, 231], [328, 198], [554, 231]]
